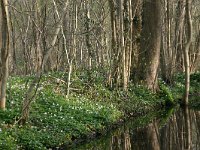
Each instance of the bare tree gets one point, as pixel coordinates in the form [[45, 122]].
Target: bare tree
[[30, 95]]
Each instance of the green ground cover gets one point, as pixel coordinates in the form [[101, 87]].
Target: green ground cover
[[90, 108]]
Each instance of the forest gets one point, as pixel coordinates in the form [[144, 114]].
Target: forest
[[74, 70]]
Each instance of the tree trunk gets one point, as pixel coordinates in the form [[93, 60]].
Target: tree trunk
[[87, 35], [179, 30], [4, 41], [114, 71], [150, 44], [167, 57], [30, 95], [187, 133], [186, 52], [36, 36]]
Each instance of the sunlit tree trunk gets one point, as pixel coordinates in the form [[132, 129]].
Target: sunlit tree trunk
[[127, 20], [122, 47], [4, 45], [186, 51]]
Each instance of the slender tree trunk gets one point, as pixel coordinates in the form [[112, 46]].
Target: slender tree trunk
[[179, 29], [127, 29], [113, 75], [136, 25], [166, 60], [87, 35], [37, 36], [30, 95], [122, 48], [12, 40], [186, 52], [187, 132], [4, 41], [196, 59]]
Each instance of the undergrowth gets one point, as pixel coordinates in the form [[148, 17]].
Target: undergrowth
[[89, 109]]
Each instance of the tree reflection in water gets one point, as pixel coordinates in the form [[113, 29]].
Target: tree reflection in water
[[180, 131]]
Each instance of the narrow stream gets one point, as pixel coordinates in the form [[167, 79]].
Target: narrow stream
[[171, 130]]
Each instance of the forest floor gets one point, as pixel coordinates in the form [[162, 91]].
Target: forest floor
[[89, 110]]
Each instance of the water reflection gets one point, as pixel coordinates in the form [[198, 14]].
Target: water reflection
[[180, 131]]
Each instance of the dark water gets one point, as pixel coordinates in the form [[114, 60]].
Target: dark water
[[171, 130]]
